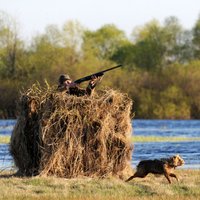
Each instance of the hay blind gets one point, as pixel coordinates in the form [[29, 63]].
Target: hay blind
[[69, 136]]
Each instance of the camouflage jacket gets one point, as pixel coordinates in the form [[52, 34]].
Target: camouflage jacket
[[77, 91]]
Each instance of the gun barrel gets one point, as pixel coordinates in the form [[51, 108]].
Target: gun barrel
[[111, 68], [87, 78]]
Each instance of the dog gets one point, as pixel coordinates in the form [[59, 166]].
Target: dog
[[162, 166]]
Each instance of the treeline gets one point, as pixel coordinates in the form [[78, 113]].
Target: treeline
[[161, 70]]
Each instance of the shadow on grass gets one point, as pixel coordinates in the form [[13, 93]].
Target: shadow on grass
[[143, 190]]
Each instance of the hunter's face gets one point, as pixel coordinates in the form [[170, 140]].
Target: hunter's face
[[68, 82]]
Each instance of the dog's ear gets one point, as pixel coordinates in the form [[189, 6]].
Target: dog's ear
[[174, 156]]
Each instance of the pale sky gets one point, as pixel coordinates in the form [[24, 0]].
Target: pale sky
[[34, 15]]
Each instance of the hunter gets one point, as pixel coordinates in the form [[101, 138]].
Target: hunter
[[66, 84]]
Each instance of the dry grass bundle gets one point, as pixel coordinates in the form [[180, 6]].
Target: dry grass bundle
[[68, 136]]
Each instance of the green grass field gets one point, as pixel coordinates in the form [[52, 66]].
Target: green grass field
[[4, 139], [163, 139], [43, 188]]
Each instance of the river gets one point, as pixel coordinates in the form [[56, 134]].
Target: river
[[189, 150]]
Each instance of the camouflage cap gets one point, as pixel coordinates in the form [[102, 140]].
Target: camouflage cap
[[63, 78]]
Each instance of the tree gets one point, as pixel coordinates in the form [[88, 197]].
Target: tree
[[57, 50], [149, 48], [173, 104], [11, 47], [72, 35], [105, 41], [196, 39], [178, 42], [125, 55]]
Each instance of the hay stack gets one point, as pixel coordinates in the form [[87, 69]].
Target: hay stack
[[68, 136]]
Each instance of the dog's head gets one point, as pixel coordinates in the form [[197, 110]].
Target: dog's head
[[176, 161]]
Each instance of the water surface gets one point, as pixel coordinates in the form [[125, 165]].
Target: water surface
[[189, 150]]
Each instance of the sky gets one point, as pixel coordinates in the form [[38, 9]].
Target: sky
[[34, 15]]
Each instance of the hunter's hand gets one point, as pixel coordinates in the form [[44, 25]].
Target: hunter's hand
[[95, 80], [72, 85]]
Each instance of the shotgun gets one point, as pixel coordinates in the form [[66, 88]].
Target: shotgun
[[101, 73]]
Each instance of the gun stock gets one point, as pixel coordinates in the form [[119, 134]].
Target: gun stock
[[101, 73]]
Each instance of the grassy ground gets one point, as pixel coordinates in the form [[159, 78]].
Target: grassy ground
[[6, 139], [151, 187], [163, 139]]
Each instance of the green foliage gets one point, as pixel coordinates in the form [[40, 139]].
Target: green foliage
[[105, 41], [149, 47], [125, 55], [173, 39], [145, 105], [11, 47], [9, 91], [172, 104], [196, 39]]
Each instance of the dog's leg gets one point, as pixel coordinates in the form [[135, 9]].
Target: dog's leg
[[167, 177], [130, 178], [136, 175], [174, 175]]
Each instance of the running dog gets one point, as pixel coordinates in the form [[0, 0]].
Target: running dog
[[163, 166]]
